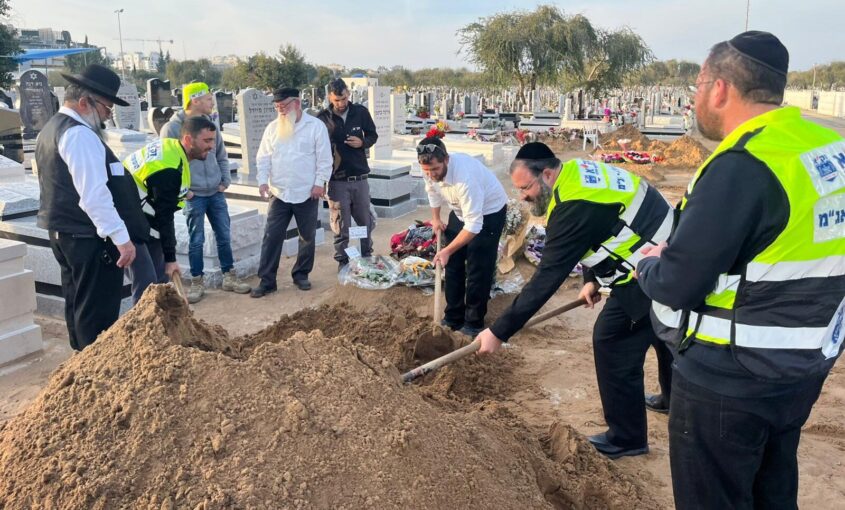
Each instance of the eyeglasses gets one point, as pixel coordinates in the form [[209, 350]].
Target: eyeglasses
[[428, 148], [104, 105], [694, 88], [529, 185], [283, 105]]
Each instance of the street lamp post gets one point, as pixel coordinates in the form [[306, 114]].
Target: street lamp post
[[120, 34]]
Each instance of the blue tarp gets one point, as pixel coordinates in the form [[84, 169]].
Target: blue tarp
[[50, 53]]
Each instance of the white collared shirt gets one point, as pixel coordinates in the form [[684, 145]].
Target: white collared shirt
[[470, 189], [294, 166], [85, 156]]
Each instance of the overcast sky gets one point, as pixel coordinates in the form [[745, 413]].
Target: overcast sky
[[422, 33]]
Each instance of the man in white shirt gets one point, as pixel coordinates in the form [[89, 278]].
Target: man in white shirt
[[294, 162], [89, 204], [478, 204]]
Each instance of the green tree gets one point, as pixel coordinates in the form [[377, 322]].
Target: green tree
[[9, 47], [293, 68], [546, 47], [76, 63], [182, 72], [163, 60]]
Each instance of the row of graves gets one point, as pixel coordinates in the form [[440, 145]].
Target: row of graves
[[497, 116]]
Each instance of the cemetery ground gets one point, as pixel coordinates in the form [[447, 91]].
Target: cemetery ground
[[546, 379]]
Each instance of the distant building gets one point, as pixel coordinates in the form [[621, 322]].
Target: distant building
[[43, 39], [225, 62], [137, 61]]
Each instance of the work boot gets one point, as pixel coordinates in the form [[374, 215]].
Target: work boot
[[232, 283], [197, 290]]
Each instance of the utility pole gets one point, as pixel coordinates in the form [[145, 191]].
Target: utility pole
[[814, 77], [747, 10], [120, 34]]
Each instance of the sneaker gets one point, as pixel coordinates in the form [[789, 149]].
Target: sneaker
[[232, 283], [261, 291], [197, 290]]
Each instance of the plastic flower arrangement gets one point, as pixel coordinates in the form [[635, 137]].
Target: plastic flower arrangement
[[435, 132]]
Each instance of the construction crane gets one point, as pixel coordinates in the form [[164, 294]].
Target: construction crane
[[159, 41]]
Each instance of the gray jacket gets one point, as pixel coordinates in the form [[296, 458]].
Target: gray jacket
[[206, 175]]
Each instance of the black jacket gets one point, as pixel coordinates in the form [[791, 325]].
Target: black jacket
[[353, 162], [573, 229], [163, 195]]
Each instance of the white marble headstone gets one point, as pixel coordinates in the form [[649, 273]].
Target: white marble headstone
[[378, 102], [128, 117], [255, 112], [397, 113]]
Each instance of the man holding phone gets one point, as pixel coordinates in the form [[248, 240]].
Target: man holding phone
[[349, 191]]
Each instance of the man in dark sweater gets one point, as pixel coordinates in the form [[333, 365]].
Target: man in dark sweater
[[349, 192], [600, 215]]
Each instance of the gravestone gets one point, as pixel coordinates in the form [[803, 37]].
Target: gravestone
[[378, 101], [397, 113], [11, 139], [36, 103], [128, 117], [567, 108], [255, 112], [473, 105], [467, 106], [60, 94], [225, 106], [444, 107], [158, 117], [158, 93]]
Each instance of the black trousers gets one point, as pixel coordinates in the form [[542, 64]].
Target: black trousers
[[279, 215], [470, 271], [91, 285], [738, 453], [619, 348]]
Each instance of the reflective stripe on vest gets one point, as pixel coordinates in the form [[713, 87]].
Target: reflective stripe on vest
[[596, 182], [718, 331], [788, 300]]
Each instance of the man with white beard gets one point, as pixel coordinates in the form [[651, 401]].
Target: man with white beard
[[294, 162], [89, 204]]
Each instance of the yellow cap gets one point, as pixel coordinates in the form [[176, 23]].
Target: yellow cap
[[191, 91]]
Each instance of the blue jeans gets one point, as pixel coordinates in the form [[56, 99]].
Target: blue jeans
[[196, 209]]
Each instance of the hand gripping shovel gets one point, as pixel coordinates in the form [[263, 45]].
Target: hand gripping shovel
[[466, 350]]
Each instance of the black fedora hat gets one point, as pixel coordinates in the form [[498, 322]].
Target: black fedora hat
[[99, 80]]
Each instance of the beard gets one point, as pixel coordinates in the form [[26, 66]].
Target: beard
[[93, 120], [708, 124], [285, 126], [540, 204]]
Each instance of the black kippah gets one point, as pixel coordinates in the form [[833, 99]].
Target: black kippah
[[762, 48], [283, 93], [535, 150]]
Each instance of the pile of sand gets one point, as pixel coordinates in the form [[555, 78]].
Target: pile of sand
[[166, 412], [685, 152], [638, 141]]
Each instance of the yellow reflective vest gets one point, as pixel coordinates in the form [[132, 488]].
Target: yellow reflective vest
[[644, 215], [782, 312]]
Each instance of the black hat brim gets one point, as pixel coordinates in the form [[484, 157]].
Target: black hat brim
[[94, 87]]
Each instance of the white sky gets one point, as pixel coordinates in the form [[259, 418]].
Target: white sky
[[422, 33]]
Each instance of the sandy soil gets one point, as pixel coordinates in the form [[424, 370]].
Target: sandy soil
[[554, 383]]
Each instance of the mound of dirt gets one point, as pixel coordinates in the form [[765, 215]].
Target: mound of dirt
[[685, 152], [638, 141], [165, 412]]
